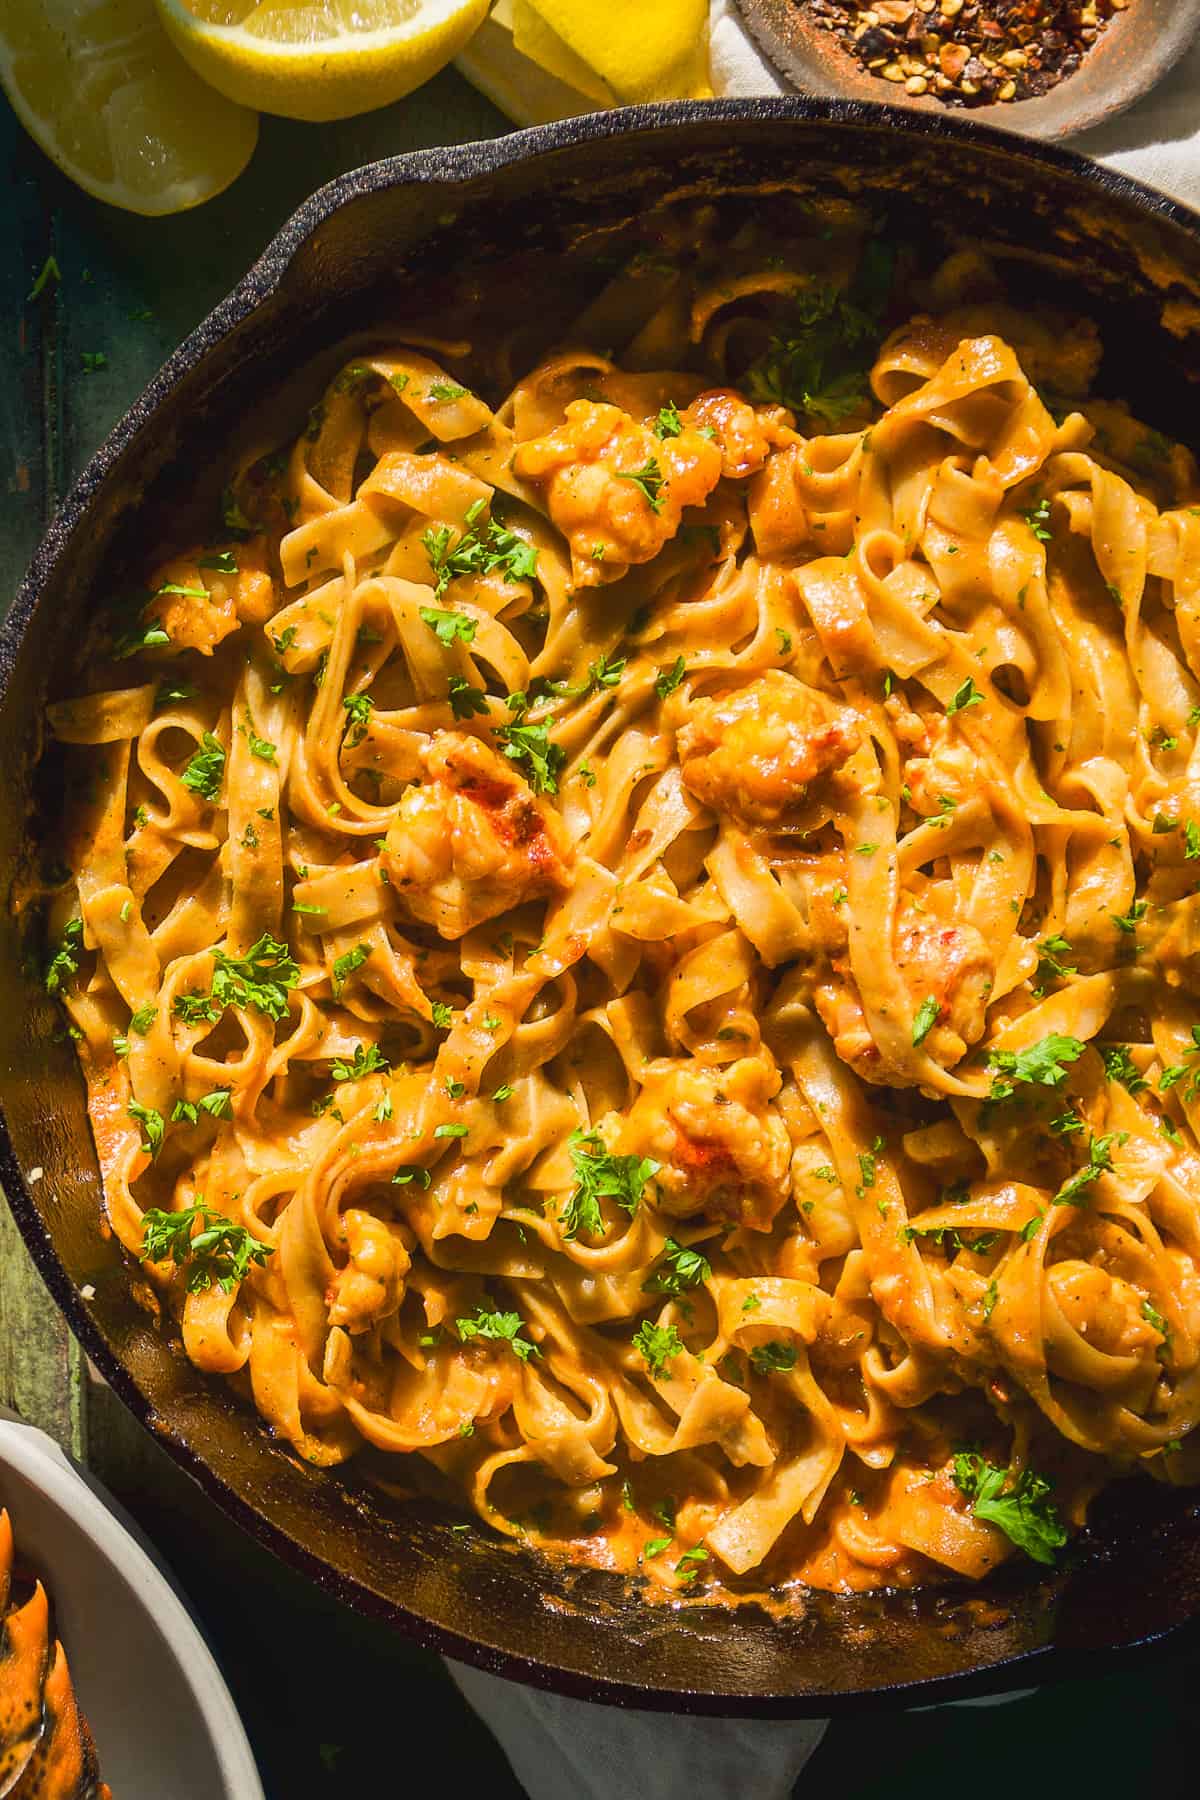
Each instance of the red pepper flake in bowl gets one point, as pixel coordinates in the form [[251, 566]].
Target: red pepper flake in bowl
[[968, 52]]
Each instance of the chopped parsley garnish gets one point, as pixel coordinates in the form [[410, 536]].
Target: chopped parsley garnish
[[1099, 1162], [1050, 966], [220, 1251], [967, 695], [205, 770], [344, 966], [465, 699], [444, 390], [668, 680], [223, 562], [153, 1126], [867, 1168], [950, 1238], [1155, 1319], [93, 361], [143, 1019], [1043, 1064], [1038, 520], [680, 1268], [443, 1015], [604, 673], [419, 1177], [368, 1059], [174, 587], [149, 635], [1177, 1071], [359, 708], [1191, 838], [502, 1327], [232, 516], [476, 551], [448, 626], [1128, 922], [658, 1344], [668, 423], [539, 759], [1025, 1513], [818, 364], [925, 1019], [687, 1567], [261, 747], [771, 1359], [218, 1105], [599, 1175], [172, 691], [65, 961], [451, 1131], [261, 980], [1121, 1067], [648, 480], [50, 271]]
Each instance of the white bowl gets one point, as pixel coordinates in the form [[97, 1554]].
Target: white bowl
[[163, 1720]]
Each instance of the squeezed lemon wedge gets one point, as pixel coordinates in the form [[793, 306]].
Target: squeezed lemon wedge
[[640, 49], [533, 38], [319, 59], [110, 101]]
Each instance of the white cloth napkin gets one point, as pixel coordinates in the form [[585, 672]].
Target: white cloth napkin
[[567, 1749]]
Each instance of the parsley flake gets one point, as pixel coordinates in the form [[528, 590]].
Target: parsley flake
[[1025, 1513], [219, 1251], [601, 1175], [648, 480], [500, 1327], [658, 1344]]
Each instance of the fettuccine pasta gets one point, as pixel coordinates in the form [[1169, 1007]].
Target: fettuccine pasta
[[633, 937]]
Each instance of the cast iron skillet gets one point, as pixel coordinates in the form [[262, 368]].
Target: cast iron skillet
[[388, 239]]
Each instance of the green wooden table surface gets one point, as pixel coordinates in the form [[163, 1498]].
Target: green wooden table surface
[[327, 1696]]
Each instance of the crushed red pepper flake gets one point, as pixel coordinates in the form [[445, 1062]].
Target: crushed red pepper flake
[[967, 52]]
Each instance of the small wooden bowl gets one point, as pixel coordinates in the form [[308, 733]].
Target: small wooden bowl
[[1135, 50]]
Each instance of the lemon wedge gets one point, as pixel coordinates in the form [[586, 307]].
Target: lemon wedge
[[105, 95], [319, 59], [534, 39], [524, 91], [642, 49]]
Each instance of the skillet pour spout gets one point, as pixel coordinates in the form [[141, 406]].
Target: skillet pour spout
[[482, 231]]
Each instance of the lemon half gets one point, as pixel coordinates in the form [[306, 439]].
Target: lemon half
[[319, 59], [102, 91]]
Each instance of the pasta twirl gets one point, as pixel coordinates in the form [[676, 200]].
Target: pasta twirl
[[636, 938]]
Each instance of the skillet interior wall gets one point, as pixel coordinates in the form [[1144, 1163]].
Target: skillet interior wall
[[397, 252]]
